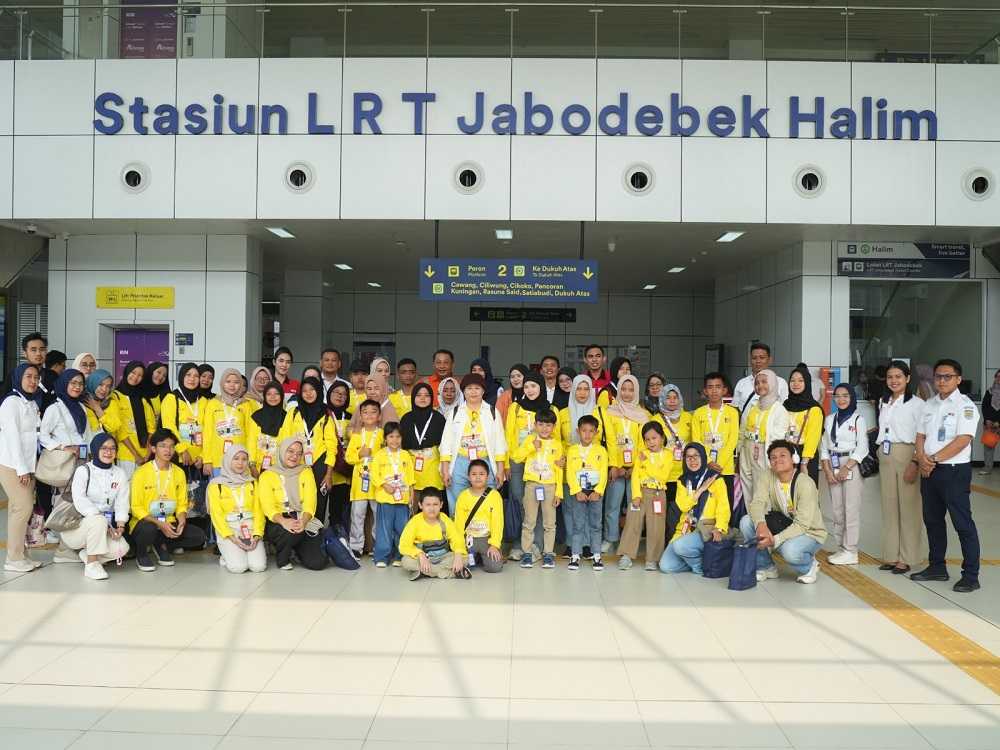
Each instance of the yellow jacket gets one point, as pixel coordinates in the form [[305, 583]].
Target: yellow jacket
[[566, 429], [400, 402], [335, 433], [678, 435], [418, 531], [373, 440], [295, 425], [520, 423], [119, 421], [393, 466], [488, 521], [594, 459], [652, 471], [186, 421], [224, 505], [261, 446], [725, 425], [805, 428], [620, 433], [150, 484], [540, 463], [717, 507], [220, 418], [272, 497]]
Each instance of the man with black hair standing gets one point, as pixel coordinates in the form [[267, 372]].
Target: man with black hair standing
[[944, 456], [760, 359], [329, 367]]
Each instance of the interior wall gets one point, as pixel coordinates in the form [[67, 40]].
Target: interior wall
[[676, 328]]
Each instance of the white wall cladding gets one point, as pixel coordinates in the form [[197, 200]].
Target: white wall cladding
[[61, 168]]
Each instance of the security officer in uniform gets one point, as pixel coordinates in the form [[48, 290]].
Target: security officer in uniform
[[944, 454]]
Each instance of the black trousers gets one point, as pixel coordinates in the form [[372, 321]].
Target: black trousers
[[147, 534], [43, 497], [309, 549], [947, 490], [340, 506], [673, 512], [319, 473]]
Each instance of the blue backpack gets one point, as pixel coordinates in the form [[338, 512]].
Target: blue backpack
[[337, 550]]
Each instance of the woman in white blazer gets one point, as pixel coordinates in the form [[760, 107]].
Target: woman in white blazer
[[844, 447], [19, 425], [763, 422], [64, 424], [472, 430]]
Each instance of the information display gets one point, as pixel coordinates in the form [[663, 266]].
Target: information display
[[491, 279], [903, 260]]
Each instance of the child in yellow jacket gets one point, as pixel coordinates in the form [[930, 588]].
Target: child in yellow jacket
[[431, 544], [361, 449], [481, 523], [392, 475], [648, 506], [543, 458], [587, 477]]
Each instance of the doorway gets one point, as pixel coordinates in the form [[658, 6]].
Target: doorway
[[143, 344]]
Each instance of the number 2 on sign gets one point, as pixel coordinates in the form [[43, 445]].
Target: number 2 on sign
[[502, 270]]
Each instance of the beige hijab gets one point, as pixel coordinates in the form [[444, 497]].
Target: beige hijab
[[388, 410], [290, 474], [769, 400], [225, 397], [631, 410]]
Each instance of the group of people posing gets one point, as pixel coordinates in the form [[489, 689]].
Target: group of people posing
[[444, 473]]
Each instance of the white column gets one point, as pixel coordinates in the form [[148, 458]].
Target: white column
[[306, 307]]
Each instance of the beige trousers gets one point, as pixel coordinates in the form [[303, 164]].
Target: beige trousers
[[750, 469], [902, 509], [443, 569], [531, 506], [845, 499], [655, 523], [92, 535], [20, 503]]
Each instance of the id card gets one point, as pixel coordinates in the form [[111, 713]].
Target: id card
[[226, 445], [196, 438], [265, 462], [886, 447], [109, 516], [473, 453], [418, 463], [678, 452], [84, 451], [365, 482], [309, 457], [627, 455], [713, 456], [756, 452], [540, 494], [657, 506], [835, 460], [245, 534]]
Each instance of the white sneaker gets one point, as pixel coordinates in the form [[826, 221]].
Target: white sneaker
[[35, 564], [605, 547], [397, 564], [984, 472], [811, 575], [287, 566], [380, 564], [82, 556], [18, 566], [771, 572], [95, 571], [843, 557], [51, 537], [222, 562], [624, 562], [65, 556]]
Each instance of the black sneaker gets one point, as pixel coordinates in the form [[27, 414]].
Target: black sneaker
[[598, 564], [966, 585], [144, 562], [163, 557], [587, 553], [930, 574], [574, 563]]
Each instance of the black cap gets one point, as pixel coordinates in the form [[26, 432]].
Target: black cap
[[358, 366]]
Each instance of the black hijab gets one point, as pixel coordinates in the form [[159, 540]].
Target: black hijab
[[539, 404], [560, 398], [804, 401], [414, 421], [207, 392], [311, 413], [150, 391], [516, 394], [270, 418], [134, 395], [191, 394], [339, 412], [492, 384]]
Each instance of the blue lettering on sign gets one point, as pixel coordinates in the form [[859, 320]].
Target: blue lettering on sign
[[810, 117]]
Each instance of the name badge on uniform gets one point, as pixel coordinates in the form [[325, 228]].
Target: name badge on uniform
[[540, 494], [309, 457], [627, 455], [418, 463], [245, 534], [226, 445], [473, 453], [886, 447], [365, 481], [678, 452], [657, 506], [109, 516], [713, 456], [835, 460], [265, 462], [941, 432], [84, 450]]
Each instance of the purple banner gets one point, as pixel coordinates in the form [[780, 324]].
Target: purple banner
[[148, 33], [140, 344]]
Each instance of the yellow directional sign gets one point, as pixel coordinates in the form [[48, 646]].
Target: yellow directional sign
[[588, 274], [142, 297], [429, 272]]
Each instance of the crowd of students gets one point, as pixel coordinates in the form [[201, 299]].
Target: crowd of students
[[448, 472]]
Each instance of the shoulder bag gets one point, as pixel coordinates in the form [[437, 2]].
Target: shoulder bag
[[55, 466]]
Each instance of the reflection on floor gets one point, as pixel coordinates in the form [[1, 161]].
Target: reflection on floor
[[193, 657]]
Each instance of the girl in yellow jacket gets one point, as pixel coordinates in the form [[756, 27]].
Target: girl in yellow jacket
[[363, 446], [182, 412], [236, 514], [704, 504], [392, 474], [155, 386], [648, 499], [805, 420], [306, 417], [100, 385], [225, 422], [264, 428], [335, 435], [130, 420]]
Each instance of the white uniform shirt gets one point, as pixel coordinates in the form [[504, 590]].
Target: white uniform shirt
[[97, 491], [58, 428], [852, 438], [944, 420], [898, 420], [744, 392], [19, 424]]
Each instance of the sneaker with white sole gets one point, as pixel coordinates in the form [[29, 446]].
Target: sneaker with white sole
[[598, 563], [810, 575], [144, 562], [548, 560], [66, 556], [286, 566], [605, 547], [381, 564], [624, 562], [397, 564], [765, 573], [515, 554], [574, 563], [651, 566], [163, 557], [18, 566], [95, 571], [843, 557]]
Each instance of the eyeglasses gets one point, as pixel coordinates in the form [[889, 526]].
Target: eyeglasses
[[944, 376]]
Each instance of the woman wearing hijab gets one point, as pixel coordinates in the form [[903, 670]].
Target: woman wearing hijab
[[449, 396], [494, 390], [581, 402], [288, 500], [654, 396], [182, 411], [64, 424], [845, 446], [335, 434], [520, 423], [85, 363], [155, 385], [305, 419], [805, 420], [19, 425], [98, 397], [206, 380], [130, 419], [264, 428], [225, 421], [677, 428], [236, 514], [564, 388], [423, 428], [377, 390], [622, 423], [704, 505], [620, 367], [259, 379], [765, 421], [516, 391]]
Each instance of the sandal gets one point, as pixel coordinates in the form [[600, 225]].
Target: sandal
[[887, 566], [465, 574], [897, 571]]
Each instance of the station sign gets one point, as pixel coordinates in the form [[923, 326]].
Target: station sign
[[510, 280], [522, 314], [140, 297], [904, 260]]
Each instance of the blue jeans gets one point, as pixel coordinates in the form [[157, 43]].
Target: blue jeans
[[613, 497], [683, 554], [389, 524], [460, 481], [798, 551], [587, 520]]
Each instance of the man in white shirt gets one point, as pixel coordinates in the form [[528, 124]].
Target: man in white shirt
[[550, 372], [760, 359], [329, 366], [944, 455]]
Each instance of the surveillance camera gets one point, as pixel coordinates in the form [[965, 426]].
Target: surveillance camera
[[30, 229]]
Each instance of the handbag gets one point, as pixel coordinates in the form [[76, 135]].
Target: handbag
[[55, 467], [336, 548], [717, 559], [64, 517], [34, 535], [513, 518], [869, 466], [776, 521], [743, 573]]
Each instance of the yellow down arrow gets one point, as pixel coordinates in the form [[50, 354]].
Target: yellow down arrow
[[588, 274], [429, 273]]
